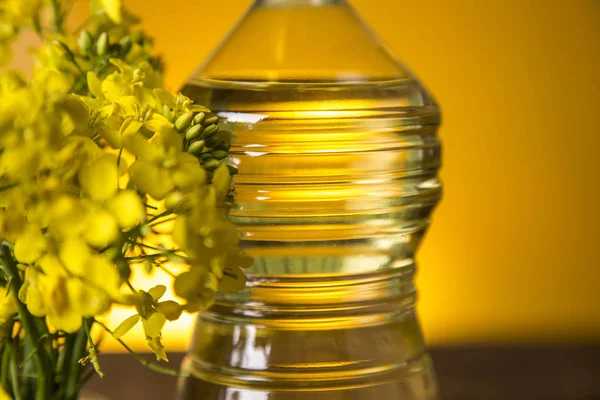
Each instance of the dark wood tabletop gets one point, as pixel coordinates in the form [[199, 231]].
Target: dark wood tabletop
[[465, 373]]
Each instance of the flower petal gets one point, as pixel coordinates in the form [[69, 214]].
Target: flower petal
[[151, 179], [158, 349], [67, 321], [95, 85], [189, 174], [170, 309], [128, 209], [126, 326], [154, 324], [113, 10], [157, 292], [139, 146], [99, 180], [104, 274], [158, 123], [74, 253], [102, 229], [30, 245], [233, 280]]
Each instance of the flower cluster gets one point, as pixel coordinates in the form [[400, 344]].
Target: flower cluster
[[99, 166]]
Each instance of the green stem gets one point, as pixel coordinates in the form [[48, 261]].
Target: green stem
[[14, 376], [146, 363], [41, 360], [57, 16], [4, 366], [64, 367], [119, 165], [93, 350], [72, 382], [37, 26], [162, 214], [143, 245]]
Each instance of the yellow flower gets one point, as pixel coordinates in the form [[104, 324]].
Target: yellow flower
[[99, 180], [102, 228], [19, 12], [67, 289], [8, 306], [162, 166], [11, 224], [3, 395], [154, 315], [127, 208], [30, 245], [113, 10]]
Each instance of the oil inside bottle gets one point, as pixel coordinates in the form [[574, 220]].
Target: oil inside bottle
[[337, 180]]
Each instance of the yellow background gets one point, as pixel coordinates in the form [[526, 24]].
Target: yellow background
[[512, 252]]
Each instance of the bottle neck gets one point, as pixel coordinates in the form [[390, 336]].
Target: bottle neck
[[295, 3]]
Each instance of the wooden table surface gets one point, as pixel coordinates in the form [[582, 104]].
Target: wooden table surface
[[467, 373]]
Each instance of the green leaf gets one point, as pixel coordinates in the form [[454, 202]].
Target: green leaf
[[126, 326]]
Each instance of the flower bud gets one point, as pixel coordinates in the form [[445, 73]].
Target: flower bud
[[212, 142], [183, 121], [210, 131], [102, 44], [232, 170], [219, 154], [196, 147], [125, 44], [193, 132], [199, 118], [211, 163], [85, 41], [211, 120]]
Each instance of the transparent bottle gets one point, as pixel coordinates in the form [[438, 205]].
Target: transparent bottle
[[336, 146]]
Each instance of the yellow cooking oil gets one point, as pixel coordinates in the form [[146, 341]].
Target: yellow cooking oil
[[337, 152]]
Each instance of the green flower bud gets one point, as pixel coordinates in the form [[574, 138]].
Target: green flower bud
[[193, 132], [196, 147], [211, 163], [210, 131], [232, 170], [205, 156], [212, 142], [209, 176], [102, 44], [125, 43], [184, 121], [211, 120], [219, 154], [85, 41], [199, 118], [223, 146]]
